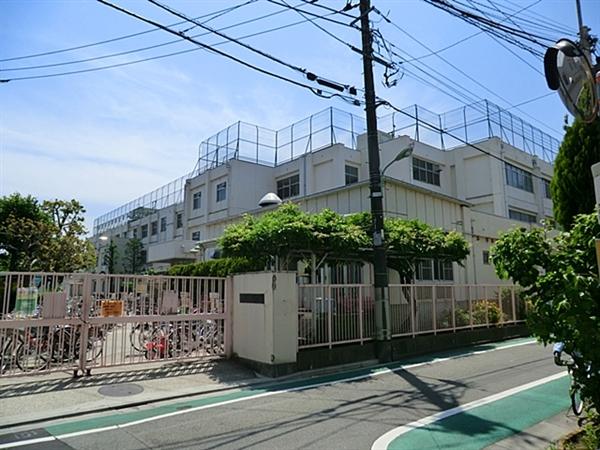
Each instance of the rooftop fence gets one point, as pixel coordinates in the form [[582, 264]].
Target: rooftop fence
[[247, 142]]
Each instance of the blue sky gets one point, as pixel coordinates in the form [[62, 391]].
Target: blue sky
[[108, 136]]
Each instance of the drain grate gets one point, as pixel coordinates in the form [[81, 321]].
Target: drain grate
[[121, 390]]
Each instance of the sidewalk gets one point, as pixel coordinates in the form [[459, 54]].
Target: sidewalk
[[540, 436], [26, 400]]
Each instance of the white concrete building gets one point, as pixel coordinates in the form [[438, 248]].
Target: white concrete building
[[321, 162]]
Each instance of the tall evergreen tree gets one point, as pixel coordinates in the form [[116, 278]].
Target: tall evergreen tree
[[573, 185]]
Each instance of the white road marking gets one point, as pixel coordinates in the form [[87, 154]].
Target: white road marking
[[385, 440], [374, 374]]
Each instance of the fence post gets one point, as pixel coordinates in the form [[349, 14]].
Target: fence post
[[487, 316], [412, 309], [501, 321], [470, 307], [514, 310], [84, 333], [434, 307], [453, 306], [360, 313], [228, 303], [328, 300]]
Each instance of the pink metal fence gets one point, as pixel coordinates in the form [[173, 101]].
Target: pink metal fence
[[337, 314], [76, 321]]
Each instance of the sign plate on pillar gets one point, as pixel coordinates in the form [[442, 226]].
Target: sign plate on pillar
[[252, 298]]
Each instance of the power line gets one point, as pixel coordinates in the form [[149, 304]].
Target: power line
[[207, 47], [164, 44], [127, 36], [166, 55], [337, 22], [229, 38], [460, 41], [451, 65]]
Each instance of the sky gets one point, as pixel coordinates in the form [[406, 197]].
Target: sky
[[107, 136]]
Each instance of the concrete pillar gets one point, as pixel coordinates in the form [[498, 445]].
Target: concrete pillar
[[265, 321]]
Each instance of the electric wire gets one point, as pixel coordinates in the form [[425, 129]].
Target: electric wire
[[318, 92], [128, 52], [225, 36], [166, 55], [127, 36]]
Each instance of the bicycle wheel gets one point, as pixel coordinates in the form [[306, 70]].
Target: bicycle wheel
[[140, 335], [33, 357], [576, 401]]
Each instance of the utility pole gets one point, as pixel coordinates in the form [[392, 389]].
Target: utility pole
[[382, 310], [583, 34]]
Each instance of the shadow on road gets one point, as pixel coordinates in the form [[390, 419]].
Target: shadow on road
[[220, 371]]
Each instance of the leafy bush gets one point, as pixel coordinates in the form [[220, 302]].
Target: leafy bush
[[222, 267], [560, 280], [479, 312]]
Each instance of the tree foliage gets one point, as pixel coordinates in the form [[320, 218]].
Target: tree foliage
[[560, 277], [221, 267], [48, 236], [573, 185], [290, 234], [134, 256]]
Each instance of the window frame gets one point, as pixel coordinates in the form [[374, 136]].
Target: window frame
[[196, 233], [154, 228], [144, 231], [163, 224], [522, 216], [518, 178], [178, 220], [547, 190], [197, 200], [426, 171], [221, 192], [289, 186], [354, 177]]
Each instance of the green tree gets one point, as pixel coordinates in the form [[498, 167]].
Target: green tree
[[290, 234], [111, 256], [134, 255], [49, 237], [573, 185], [560, 277], [69, 250]]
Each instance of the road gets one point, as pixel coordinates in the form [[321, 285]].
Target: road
[[347, 414]]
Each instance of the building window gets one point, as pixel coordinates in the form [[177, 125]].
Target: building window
[[134, 233], [351, 174], [144, 231], [486, 257], [426, 171], [519, 178], [179, 220], [433, 269], [197, 200], [154, 228], [221, 191], [424, 270], [288, 187], [163, 224], [547, 192], [196, 236], [522, 216]]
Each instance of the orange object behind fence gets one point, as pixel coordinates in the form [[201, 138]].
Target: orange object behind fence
[[111, 308]]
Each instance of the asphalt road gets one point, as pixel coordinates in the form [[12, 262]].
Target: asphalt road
[[344, 415]]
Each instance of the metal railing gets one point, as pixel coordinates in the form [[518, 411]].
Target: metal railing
[[76, 321], [329, 315], [247, 142]]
